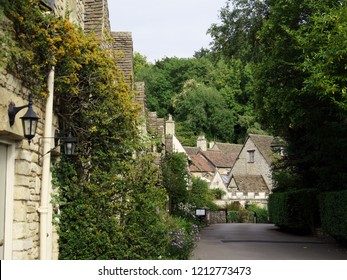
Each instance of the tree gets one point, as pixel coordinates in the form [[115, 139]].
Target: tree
[[140, 63], [166, 78], [299, 86], [200, 196], [237, 34], [175, 180], [203, 109]]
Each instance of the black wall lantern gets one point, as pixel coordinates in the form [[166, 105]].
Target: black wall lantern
[[69, 143], [29, 120]]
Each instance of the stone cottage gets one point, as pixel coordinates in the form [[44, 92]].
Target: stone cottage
[[26, 228], [250, 178]]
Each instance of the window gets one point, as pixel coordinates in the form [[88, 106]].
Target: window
[[251, 155], [7, 164], [3, 173]]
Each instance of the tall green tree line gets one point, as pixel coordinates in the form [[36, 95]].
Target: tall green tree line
[[221, 106], [298, 53]]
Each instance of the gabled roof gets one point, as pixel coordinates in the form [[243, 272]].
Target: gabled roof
[[218, 177], [220, 159], [191, 151], [200, 164], [227, 147], [250, 183], [264, 145]]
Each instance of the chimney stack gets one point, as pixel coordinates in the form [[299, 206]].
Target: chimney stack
[[202, 143]]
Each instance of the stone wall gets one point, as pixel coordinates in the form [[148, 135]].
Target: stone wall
[[24, 239], [123, 44], [23, 235], [73, 8], [217, 217], [140, 97], [96, 18]]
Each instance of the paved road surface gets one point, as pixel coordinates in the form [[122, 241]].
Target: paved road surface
[[262, 242]]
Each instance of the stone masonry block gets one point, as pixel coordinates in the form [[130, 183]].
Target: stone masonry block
[[20, 212], [21, 193], [22, 244], [23, 167], [20, 230]]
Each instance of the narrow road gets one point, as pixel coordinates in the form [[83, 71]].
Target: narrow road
[[262, 242]]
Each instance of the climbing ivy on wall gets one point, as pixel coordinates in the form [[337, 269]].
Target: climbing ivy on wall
[[111, 204]]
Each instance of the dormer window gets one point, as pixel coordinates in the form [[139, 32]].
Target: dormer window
[[250, 156]]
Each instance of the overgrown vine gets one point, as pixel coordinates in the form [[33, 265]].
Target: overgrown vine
[[111, 203]]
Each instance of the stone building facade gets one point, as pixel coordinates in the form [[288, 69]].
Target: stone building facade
[[123, 44], [20, 167], [256, 158], [21, 179]]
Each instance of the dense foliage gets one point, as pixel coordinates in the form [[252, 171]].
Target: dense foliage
[[186, 193], [296, 52], [261, 215], [300, 83], [221, 87], [333, 212], [295, 210]]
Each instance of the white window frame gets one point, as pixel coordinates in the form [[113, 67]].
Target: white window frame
[[251, 154], [8, 235]]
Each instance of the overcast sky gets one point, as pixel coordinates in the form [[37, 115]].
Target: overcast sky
[[165, 28]]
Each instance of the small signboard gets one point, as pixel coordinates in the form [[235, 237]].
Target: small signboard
[[200, 212]]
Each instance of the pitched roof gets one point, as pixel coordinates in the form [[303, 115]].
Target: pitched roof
[[200, 164], [227, 147], [220, 159], [191, 151], [250, 183], [264, 145]]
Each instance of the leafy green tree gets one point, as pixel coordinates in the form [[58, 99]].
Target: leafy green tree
[[232, 78], [140, 63], [175, 180], [237, 34], [166, 78], [200, 195], [203, 109], [145, 230], [300, 88]]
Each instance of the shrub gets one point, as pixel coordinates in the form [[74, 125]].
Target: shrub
[[333, 213], [261, 214], [294, 210], [184, 236], [218, 193], [237, 213], [233, 217]]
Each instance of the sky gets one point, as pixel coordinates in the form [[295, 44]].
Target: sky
[[165, 28]]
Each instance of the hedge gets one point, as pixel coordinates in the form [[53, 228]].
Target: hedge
[[294, 210], [333, 206]]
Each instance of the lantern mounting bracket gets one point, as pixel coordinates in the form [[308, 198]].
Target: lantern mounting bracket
[[13, 110], [29, 120], [69, 144]]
